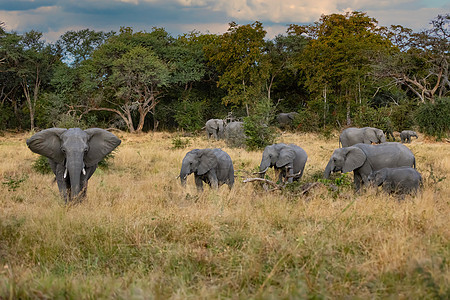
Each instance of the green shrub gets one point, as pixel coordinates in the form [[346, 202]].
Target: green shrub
[[41, 165], [180, 143], [307, 121], [434, 119], [258, 132], [189, 115]]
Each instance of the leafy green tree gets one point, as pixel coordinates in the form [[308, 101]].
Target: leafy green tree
[[337, 59], [239, 56]]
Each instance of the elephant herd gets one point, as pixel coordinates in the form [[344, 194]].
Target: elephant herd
[[74, 154]]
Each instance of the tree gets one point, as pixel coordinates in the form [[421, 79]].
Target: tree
[[338, 56], [239, 56]]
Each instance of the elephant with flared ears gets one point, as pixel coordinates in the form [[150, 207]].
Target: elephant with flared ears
[[366, 135], [288, 160], [212, 166], [363, 159], [73, 155], [215, 128]]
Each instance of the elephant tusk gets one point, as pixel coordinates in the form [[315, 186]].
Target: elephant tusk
[[83, 171], [262, 172], [65, 173]]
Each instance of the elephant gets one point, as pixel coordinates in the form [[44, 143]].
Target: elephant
[[73, 155], [403, 180], [363, 159], [406, 135], [286, 119], [212, 166], [215, 128], [234, 134], [366, 135], [289, 160]]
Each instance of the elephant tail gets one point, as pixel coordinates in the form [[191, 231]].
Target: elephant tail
[[414, 163]]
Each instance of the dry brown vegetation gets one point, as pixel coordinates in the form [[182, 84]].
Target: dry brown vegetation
[[141, 235]]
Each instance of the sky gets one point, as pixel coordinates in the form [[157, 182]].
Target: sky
[[55, 17]]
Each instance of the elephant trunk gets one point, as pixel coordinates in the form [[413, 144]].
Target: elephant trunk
[[263, 167], [383, 139], [328, 169], [75, 170], [183, 174]]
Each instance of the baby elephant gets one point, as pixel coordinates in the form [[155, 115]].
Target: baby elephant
[[406, 135], [212, 166], [403, 180]]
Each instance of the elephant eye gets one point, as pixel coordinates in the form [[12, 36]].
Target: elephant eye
[[63, 150], [86, 150]]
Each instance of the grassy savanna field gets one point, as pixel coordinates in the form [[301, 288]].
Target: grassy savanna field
[[140, 235]]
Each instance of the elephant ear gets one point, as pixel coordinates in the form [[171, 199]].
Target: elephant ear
[[208, 161], [286, 156], [48, 143], [101, 143], [354, 158], [370, 136]]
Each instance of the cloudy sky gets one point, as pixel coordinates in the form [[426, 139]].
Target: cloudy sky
[[55, 17]]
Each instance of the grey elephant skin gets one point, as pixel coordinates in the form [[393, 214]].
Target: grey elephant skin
[[234, 134], [363, 159], [406, 135], [403, 180], [288, 160], [366, 135], [286, 119], [73, 155], [215, 128], [212, 166]]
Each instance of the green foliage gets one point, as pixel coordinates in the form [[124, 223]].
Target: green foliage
[[41, 165], [189, 115], [258, 131], [14, 182], [307, 120], [180, 143], [434, 118]]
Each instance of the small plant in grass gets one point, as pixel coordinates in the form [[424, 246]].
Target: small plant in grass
[[14, 182], [41, 165], [180, 143]]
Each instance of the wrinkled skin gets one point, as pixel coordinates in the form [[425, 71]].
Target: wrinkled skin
[[285, 159], [366, 135], [406, 135], [215, 128], [73, 155], [363, 159], [403, 180], [212, 166], [286, 119]]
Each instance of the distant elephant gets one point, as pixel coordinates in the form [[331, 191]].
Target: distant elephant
[[363, 159], [212, 166], [289, 160], [403, 180], [286, 119], [406, 135], [215, 128], [366, 135], [73, 155], [234, 134]]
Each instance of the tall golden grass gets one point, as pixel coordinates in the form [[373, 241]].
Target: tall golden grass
[[140, 235]]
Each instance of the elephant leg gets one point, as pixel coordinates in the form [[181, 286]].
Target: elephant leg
[[198, 183], [213, 181], [357, 181], [290, 172]]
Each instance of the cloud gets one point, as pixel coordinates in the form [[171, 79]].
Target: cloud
[[181, 16]]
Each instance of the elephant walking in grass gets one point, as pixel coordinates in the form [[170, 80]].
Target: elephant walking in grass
[[286, 119], [403, 180], [215, 128], [212, 166], [288, 160], [363, 159], [406, 135], [366, 135], [73, 155]]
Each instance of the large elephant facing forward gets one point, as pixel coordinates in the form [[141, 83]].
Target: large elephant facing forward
[[363, 159], [215, 128], [289, 160], [212, 166], [366, 135], [73, 155]]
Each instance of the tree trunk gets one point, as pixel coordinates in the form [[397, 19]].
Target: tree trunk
[[349, 121]]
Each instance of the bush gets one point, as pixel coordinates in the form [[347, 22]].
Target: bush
[[307, 121], [434, 119], [189, 115], [180, 143], [259, 133], [41, 165]]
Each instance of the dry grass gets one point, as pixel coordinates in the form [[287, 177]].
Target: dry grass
[[141, 235]]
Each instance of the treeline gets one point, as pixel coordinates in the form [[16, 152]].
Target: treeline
[[341, 70]]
